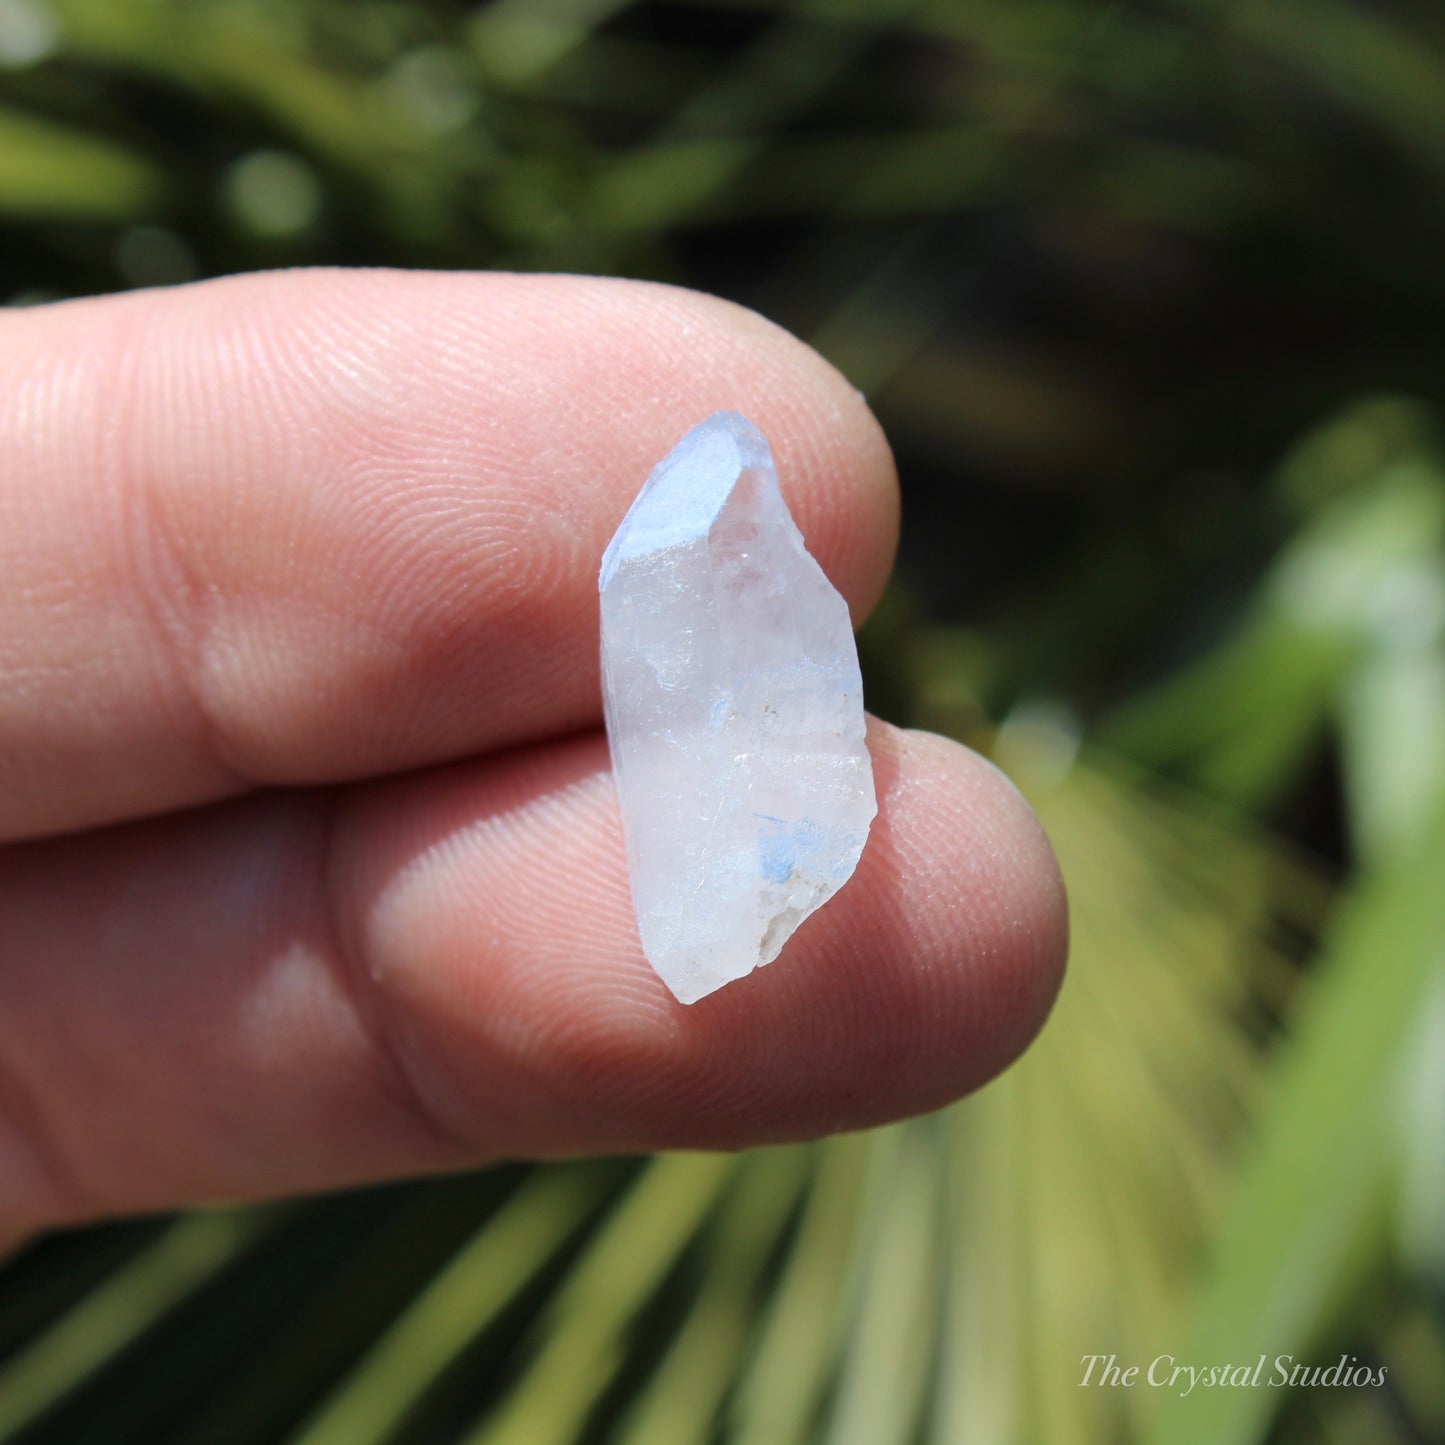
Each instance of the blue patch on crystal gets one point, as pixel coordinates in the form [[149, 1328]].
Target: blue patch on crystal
[[784, 848], [776, 856]]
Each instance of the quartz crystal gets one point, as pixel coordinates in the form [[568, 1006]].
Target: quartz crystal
[[734, 712]]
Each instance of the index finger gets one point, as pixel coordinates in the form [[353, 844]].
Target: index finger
[[314, 525]]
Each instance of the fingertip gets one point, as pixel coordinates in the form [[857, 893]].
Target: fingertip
[[936, 966], [316, 525], [504, 937], [991, 904]]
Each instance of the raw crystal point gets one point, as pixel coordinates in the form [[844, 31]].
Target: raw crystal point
[[734, 712]]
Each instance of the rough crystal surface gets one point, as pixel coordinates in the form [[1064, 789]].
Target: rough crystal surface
[[734, 712]]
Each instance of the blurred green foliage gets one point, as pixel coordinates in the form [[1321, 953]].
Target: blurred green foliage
[[1149, 300]]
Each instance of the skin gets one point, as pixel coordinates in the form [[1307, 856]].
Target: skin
[[311, 869]]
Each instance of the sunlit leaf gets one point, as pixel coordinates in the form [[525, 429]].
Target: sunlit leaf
[[51, 170], [1323, 1148]]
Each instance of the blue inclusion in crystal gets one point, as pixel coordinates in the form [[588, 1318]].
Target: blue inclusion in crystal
[[775, 856], [783, 846]]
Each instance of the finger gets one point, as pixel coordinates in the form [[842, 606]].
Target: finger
[[311, 525], [281, 993]]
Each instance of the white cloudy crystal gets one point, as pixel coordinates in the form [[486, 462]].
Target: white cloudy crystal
[[734, 712]]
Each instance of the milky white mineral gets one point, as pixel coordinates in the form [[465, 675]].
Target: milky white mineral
[[734, 712]]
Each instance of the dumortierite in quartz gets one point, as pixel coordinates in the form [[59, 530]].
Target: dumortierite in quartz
[[734, 712]]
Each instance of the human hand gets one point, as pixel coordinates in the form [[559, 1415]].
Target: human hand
[[312, 868]]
